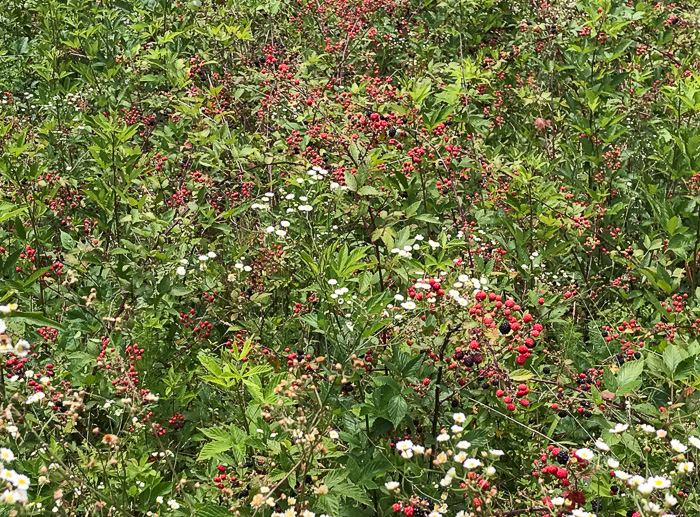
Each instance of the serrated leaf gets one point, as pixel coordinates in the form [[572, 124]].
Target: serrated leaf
[[397, 409], [630, 372], [521, 375]]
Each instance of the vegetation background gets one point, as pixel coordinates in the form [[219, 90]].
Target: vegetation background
[[349, 257]]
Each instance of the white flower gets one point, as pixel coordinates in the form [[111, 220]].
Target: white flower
[[305, 208], [686, 467], [491, 471], [645, 488], [456, 428], [678, 446], [558, 501], [669, 500], [446, 481], [619, 428], [463, 278], [649, 429], [694, 441], [613, 463], [7, 455], [584, 454], [3, 327], [460, 457], [621, 474], [496, 453], [405, 447], [443, 437], [418, 449], [433, 244], [270, 229], [211, 254], [409, 305], [391, 485], [661, 433], [460, 418], [159, 499], [463, 444], [334, 185], [203, 258], [172, 503], [281, 233], [22, 482], [600, 444], [181, 271], [636, 480], [333, 434], [472, 463], [659, 482]]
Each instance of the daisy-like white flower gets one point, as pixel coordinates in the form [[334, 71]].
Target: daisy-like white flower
[[584, 454], [456, 428], [173, 504], [305, 208], [443, 437], [558, 501], [181, 271], [463, 444], [649, 429], [659, 482], [460, 418], [409, 305], [679, 447], [333, 434], [636, 480], [391, 485], [496, 453], [578, 512], [211, 254], [613, 463], [619, 428], [405, 448], [203, 258], [460, 457], [281, 233], [600, 444], [645, 488], [694, 441], [669, 500], [418, 449], [621, 474], [490, 471], [433, 244], [472, 463], [22, 482], [686, 467], [6, 455], [661, 433], [446, 481]]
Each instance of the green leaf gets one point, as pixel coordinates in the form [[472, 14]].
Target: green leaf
[[521, 375], [672, 358], [67, 241], [630, 372], [35, 318], [397, 409]]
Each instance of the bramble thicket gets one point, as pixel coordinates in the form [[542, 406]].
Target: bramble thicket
[[338, 258]]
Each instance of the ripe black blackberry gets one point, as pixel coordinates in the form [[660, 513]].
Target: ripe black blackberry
[[504, 328], [563, 457], [546, 369], [562, 414]]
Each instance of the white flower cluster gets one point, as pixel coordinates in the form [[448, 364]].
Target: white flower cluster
[[17, 484], [22, 347]]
